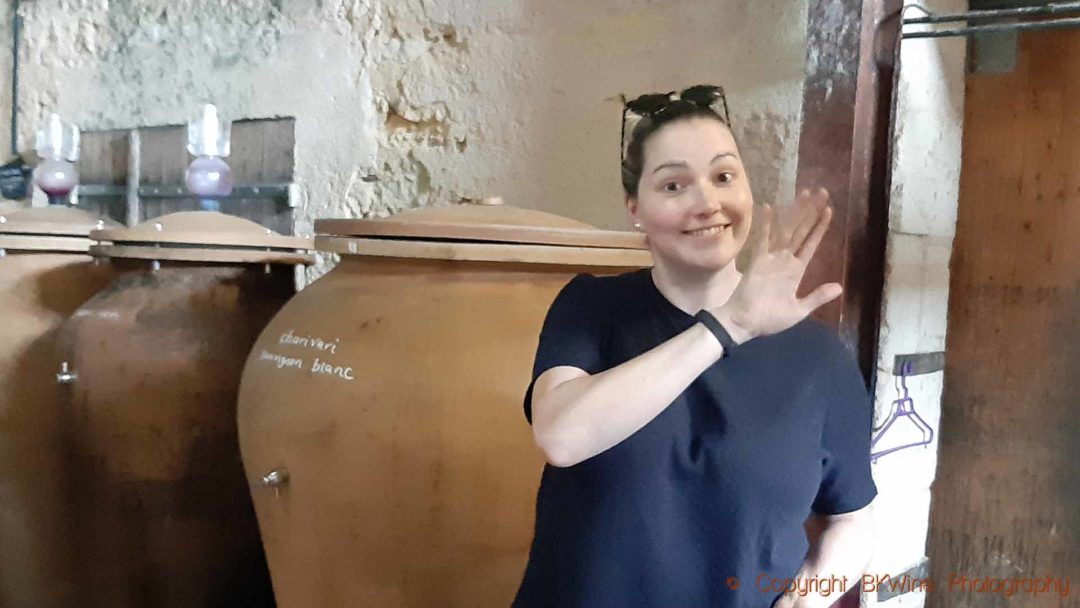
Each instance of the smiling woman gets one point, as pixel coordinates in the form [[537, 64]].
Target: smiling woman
[[693, 417], [693, 198]]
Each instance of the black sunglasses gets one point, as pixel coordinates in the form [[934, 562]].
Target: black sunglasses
[[657, 105]]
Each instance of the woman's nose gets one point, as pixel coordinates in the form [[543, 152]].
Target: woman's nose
[[709, 201]]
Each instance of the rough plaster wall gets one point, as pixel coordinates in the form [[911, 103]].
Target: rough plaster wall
[[922, 223], [423, 102]]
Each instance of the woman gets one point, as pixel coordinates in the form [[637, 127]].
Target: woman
[[693, 417]]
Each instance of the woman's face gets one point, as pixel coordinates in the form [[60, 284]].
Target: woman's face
[[694, 201]]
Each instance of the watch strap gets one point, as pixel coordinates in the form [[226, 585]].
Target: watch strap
[[713, 324]]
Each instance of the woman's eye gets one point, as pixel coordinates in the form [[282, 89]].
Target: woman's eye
[[671, 187], [724, 178]]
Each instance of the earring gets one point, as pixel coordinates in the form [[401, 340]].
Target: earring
[[637, 225]]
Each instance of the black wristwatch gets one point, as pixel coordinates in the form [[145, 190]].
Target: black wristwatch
[[707, 319]]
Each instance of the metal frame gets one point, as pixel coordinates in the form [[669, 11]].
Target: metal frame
[[1002, 13], [271, 191], [133, 193], [1056, 24], [148, 189], [16, 36], [1065, 8], [134, 207]]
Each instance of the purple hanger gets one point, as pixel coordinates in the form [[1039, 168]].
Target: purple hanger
[[904, 407]]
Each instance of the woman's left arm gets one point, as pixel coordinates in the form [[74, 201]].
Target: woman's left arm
[[840, 549]]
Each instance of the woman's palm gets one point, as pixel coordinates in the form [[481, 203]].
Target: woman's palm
[[764, 301]]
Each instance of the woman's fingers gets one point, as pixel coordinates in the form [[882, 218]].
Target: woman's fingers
[[766, 228], [809, 206], [822, 295], [784, 219], [806, 250], [791, 224]]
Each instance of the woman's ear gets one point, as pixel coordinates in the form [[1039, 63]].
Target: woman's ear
[[631, 210]]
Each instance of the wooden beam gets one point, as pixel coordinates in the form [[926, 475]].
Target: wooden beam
[[843, 148]]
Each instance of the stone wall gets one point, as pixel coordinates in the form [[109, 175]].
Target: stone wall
[[922, 223], [424, 102]]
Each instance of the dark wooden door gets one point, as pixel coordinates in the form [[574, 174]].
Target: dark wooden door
[[1006, 501]]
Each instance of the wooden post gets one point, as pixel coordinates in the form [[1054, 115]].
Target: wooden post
[[843, 148]]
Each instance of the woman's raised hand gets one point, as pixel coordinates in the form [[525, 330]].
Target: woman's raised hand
[[764, 302]]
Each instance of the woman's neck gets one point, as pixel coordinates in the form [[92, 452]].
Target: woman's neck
[[690, 292]]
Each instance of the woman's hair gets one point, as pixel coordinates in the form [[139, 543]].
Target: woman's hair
[[634, 161]]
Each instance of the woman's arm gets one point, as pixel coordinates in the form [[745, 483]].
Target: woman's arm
[[576, 415], [841, 548]]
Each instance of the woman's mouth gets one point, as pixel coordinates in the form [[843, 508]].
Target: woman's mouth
[[708, 230]]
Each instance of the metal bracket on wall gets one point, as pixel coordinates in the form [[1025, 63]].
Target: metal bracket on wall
[[921, 363], [271, 191]]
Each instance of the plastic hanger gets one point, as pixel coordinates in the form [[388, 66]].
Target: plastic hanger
[[903, 407]]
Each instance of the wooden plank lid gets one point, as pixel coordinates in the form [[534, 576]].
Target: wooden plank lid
[[487, 220], [53, 228], [54, 220], [485, 230], [202, 236]]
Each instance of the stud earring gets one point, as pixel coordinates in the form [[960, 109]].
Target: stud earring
[[637, 225]]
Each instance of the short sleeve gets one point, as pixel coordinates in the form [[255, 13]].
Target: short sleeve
[[572, 333], [847, 483]]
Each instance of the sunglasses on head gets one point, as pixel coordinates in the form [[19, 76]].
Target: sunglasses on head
[[657, 105]]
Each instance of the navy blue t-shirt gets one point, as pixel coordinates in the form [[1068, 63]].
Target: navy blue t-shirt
[[718, 485]]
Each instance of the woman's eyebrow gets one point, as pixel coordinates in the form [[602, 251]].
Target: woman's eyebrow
[[677, 164]]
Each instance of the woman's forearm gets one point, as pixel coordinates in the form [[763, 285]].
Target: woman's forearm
[[842, 551], [585, 416]]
